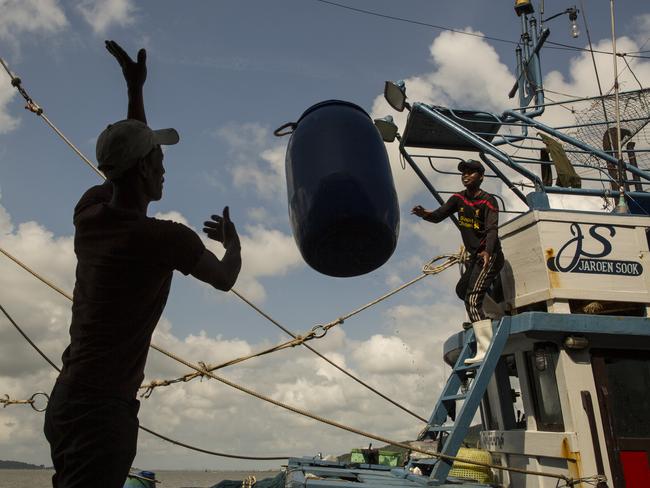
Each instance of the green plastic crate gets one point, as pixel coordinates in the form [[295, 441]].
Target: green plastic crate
[[356, 456], [389, 458], [385, 458]]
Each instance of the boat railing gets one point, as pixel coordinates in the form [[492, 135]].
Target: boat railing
[[601, 170]]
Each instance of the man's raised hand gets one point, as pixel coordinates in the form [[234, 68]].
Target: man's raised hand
[[222, 229], [135, 73]]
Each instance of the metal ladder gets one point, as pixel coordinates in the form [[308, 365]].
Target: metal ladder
[[472, 397]]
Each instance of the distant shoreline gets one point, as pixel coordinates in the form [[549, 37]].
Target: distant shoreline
[[20, 465]]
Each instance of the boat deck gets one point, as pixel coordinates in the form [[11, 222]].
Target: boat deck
[[316, 473]]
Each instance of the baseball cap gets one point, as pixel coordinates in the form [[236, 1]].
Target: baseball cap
[[470, 165], [123, 143]]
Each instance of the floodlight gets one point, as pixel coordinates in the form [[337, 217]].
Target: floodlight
[[395, 94], [573, 19], [387, 128]]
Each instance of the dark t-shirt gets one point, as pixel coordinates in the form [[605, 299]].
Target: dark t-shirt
[[478, 217], [124, 271]]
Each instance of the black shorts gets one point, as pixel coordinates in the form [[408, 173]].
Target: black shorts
[[93, 439]]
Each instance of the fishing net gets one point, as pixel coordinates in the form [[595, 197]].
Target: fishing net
[[597, 127]]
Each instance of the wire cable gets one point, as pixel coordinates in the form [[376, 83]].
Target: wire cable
[[168, 439], [415, 22], [555, 45]]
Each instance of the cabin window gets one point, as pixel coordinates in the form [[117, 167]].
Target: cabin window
[[515, 394], [628, 379], [542, 361]]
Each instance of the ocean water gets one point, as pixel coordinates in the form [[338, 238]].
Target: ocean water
[[41, 478]]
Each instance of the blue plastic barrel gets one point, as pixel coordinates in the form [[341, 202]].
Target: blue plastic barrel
[[342, 201]]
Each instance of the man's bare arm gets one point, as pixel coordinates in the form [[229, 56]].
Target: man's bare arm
[[135, 74], [220, 273]]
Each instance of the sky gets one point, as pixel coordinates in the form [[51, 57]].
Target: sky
[[225, 75]]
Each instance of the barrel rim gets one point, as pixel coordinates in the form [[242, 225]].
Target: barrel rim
[[333, 101]]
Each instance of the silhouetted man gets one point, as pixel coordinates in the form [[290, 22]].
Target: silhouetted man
[[478, 217], [125, 262]]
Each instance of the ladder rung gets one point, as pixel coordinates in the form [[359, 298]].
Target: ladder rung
[[460, 396], [425, 461], [441, 428], [467, 367]]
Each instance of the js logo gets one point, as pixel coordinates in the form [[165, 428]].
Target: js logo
[[583, 261]]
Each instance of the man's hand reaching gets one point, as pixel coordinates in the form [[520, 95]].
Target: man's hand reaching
[[222, 229], [485, 256], [135, 73], [222, 273]]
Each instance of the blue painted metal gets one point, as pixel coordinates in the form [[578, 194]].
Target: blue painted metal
[[557, 323], [578, 324], [503, 177], [481, 144], [529, 73], [442, 408], [424, 179], [538, 200], [328, 474], [473, 397]]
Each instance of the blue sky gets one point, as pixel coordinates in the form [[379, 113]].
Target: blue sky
[[225, 74]]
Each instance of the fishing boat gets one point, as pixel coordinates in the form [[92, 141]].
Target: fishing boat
[[563, 392]]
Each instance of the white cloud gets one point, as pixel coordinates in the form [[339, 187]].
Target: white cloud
[[381, 354], [256, 162], [484, 78], [174, 216], [103, 14], [30, 16], [265, 253]]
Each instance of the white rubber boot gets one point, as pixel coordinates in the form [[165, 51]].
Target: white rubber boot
[[483, 333]]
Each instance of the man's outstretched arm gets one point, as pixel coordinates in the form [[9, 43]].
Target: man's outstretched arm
[[220, 273], [437, 215], [135, 74]]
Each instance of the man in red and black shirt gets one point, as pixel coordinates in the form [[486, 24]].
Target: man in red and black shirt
[[478, 218]]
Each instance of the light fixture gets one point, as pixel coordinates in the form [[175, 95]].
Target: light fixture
[[573, 18], [576, 342], [541, 358], [387, 128], [523, 7], [395, 94]]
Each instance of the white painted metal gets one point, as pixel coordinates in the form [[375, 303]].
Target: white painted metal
[[613, 258]]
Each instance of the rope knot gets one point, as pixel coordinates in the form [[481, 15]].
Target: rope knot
[[206, 370]]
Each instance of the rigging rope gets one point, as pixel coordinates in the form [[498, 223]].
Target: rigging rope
[[31, 401], [32, 106], [37, 110], [188, 446], [427, 270], [200, 369], [16, 82], [152, 385]]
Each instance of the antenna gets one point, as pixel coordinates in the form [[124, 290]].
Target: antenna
[[621, 207]]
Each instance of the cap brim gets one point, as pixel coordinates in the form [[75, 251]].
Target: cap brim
[[165, 137], [464, 166]]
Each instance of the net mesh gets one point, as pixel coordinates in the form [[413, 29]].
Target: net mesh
[[598, 127]]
